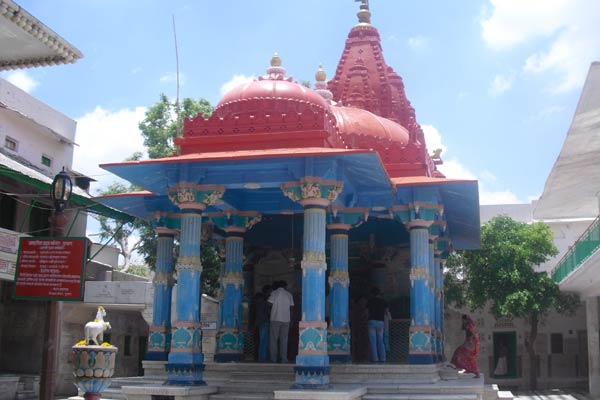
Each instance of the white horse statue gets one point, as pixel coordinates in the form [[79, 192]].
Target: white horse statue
[[94, 330]]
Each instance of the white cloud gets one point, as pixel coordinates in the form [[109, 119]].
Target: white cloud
[[497, 197], [136, 70], [456, 170], [513, 22], [417, 42], [502, 83], [104, 136], [568, 29], [488, 176], [433, 139], [236, 80], [22, 80], [452, 168], [172, 78]]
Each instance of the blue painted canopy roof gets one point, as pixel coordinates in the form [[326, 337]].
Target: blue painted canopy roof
[[252, 179]]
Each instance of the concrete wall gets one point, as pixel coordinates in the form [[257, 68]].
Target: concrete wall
[[127, 325], [37, 127], [568, 369], [21, 333]]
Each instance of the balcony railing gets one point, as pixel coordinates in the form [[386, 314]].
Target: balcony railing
[[586, 245]]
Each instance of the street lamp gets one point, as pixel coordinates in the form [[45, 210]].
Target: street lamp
[[62, 187]]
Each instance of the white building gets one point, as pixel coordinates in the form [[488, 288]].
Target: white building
[[567, 347], [36, 142], [571, 200]]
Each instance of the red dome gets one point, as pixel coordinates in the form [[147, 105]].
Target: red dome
[[361, 129], [272, 89]]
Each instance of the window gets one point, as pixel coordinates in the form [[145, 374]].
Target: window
[[556, 343], [38, 219], [47, 161], [8, 211], [11, 143]]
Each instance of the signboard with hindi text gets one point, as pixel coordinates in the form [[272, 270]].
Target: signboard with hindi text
[[51, 268]]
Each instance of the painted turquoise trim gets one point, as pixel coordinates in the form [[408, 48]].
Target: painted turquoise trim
[[587, 244]]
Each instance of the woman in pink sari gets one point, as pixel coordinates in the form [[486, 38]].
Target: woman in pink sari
[[465, 356]]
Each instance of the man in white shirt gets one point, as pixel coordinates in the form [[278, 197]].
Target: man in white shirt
[[281, 300]]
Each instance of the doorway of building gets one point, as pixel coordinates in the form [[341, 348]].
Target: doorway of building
[[505, 355]]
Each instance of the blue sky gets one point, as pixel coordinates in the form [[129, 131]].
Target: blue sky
[[494, 82]]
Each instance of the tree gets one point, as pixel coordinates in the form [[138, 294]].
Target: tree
[[120, 233], [159, 128], [160, 125], [502, 274]]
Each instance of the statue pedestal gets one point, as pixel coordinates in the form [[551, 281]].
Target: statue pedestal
[[93, 368]]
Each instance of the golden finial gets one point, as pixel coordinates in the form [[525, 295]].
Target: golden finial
[[364, 15], [275, 60], [320, 76]]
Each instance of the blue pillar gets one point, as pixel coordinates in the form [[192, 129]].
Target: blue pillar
[[438, 307], [341, 220], [186, 362], [159, 340], [432, 284], [418, 217], [443, 246], [312, 362], [420, 342], [230, 338], [338, 334]]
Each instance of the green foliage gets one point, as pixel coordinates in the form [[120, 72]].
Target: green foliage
[[119, 232], [159, 127], [139, 270], [503, 272], [455, 284], [211, 268]]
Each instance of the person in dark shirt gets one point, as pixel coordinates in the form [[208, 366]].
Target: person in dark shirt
[[263, 313], [377, 307]]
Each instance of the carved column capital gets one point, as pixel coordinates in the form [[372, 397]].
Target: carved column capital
[[312, 190], [191, 196]]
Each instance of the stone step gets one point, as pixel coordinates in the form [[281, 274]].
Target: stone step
[[253, 387], [241, 396], [420, 389], [113, 393], [505, 395], [26, 395], [422, 396]]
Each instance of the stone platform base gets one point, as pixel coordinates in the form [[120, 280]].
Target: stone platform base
[[337, 392], [177, 392], [8, 386]]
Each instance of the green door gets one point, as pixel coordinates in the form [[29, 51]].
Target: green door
[[505, 345]]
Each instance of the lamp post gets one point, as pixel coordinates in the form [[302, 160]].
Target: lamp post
[[62, 188]]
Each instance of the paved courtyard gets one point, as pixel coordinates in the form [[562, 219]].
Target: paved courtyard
[[553, 394]]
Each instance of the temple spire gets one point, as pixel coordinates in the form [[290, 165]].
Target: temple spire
[[275, 71], [321, 84], [364, 14]]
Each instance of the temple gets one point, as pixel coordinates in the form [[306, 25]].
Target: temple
[[332, 189]]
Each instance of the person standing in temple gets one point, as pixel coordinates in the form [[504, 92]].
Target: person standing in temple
[[281, 301], [377, 307], [263, 309], [359, 325]]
